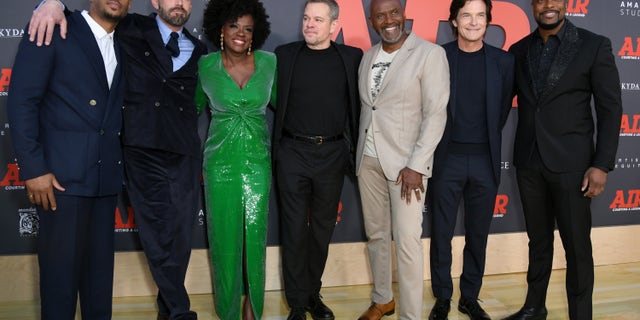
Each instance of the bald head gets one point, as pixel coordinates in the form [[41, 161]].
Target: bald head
[[375, 3]]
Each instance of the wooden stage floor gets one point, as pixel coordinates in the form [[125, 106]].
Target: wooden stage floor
[[616, 296]]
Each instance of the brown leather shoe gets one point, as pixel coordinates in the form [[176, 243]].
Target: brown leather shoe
[[376, 311]]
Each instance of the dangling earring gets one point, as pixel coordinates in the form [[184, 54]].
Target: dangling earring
[[221, 41], [249, 51]]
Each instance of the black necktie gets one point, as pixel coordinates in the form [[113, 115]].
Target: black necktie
[[172, 45]]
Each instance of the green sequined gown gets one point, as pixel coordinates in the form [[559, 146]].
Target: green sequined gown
[[237, 179]]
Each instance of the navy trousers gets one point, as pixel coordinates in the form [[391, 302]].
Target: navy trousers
[[164, 189], [468, 177], [75, 256]]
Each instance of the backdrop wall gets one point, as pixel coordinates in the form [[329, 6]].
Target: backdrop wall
[[619, 205]]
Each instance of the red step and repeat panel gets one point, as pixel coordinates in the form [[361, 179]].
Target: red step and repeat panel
[[618, 20]]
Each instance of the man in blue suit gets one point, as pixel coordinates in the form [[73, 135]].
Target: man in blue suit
[[65, 116], [467, 160], [162, 152]]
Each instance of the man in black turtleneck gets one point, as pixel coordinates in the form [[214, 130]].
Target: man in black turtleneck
[[314, 141]]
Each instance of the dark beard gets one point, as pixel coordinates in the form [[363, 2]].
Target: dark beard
[[176, 21], [550, 26], [113, 17]]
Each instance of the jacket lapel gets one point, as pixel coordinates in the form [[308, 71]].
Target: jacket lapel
[[365, 84], [86, 41], [196, 54], [452, 56], [115, 91], [405, 51], [494, 80], [288, 76], [566, 52], [154, 39]]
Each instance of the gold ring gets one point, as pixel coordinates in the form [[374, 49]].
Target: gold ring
[[30, 195], [416, 189]]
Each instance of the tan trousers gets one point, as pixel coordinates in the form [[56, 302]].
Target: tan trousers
[[386, 214]]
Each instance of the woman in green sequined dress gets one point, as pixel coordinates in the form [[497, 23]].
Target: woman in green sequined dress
[[237, 83]]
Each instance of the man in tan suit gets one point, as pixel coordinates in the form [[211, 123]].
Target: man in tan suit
[[404, 89]]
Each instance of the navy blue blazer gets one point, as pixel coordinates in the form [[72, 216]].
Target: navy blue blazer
[[64, 119], [160, 109], [500, 78]]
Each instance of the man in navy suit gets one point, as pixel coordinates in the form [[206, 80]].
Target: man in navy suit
[[561, 153], [161, 144], [65, 116], [467, 159]]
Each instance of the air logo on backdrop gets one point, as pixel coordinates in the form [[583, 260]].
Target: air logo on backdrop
[[5, 79], [500, 208], [626, 201], [125, 223], [630, 125], [425, 16], [630, 49], [11, 179], [577, 8]]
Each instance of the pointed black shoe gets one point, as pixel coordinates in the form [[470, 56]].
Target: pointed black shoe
[[529, 313], [297, 313], [440, 309], [318, 310], [473, 309]]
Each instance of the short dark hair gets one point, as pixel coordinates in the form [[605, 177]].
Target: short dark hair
[[455, 7], [219, 12], [334, 9]]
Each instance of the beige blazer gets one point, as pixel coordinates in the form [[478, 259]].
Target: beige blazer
[[409, 114]]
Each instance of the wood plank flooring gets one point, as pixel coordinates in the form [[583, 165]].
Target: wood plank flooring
[[616, 296]]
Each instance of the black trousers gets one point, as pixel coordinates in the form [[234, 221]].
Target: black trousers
[[164, 189], [468, 177], [75, 256], [309, 185], [550, 198]]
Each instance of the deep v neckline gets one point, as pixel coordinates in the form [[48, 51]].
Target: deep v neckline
[[237, 85]]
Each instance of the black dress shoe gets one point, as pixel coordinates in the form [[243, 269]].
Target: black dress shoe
[[440, 310], [189, 315], [297, 313], [529, 313], [473, 309], [318, 310]]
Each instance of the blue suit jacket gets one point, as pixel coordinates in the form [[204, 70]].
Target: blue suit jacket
[[64, 119], [500, 77], [160, 111]]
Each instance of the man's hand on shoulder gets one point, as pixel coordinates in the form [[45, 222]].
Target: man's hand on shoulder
[[44, 20]]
